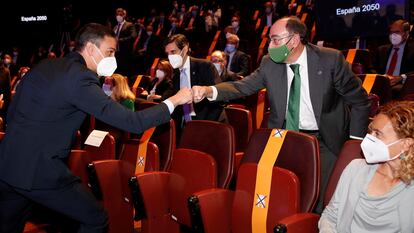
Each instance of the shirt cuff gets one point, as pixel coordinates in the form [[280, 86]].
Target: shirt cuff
[[403, 78], [355, 137], [170, 105], [215, 93]]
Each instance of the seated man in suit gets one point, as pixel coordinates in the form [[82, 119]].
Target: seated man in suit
[[310, 89], [189, 71], [238, 62], [396, 60], [219, 60]]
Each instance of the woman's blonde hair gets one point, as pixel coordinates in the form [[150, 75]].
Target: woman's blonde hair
[[401, 115], [120, 90]]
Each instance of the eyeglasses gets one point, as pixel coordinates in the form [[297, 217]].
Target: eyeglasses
[[276, 40]]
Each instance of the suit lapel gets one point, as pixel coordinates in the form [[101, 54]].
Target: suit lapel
[[315, 78]]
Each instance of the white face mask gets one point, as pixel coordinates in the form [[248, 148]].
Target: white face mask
[[160, 75], [149, 33], [376, 151], [395, 38], [218, 67], [176, 60], [107, 89], [107, 66], [119, 19]]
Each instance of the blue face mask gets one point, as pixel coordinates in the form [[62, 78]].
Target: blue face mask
[[230, 48], [107, 89]]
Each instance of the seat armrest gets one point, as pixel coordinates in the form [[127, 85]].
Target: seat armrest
[[298, 223], [210, 210]]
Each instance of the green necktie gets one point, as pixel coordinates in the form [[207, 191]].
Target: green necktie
[[292, 115]]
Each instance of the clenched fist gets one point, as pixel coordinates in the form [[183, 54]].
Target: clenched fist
[[201, 92]]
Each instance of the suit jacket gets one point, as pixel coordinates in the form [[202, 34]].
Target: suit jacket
[[203, 73], [240, 64], [47, 110], [383, 52], [126, 37], [332, 86]]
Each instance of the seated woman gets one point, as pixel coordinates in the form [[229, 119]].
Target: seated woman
[[117, 88], [377, 194], [163, 88], [121, 92]]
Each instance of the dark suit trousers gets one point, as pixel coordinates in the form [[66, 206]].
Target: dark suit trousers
[[73, 200], [327, 159]]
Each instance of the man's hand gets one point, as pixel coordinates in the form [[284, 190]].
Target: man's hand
[[183, 96], [394, 79], [201, 92]]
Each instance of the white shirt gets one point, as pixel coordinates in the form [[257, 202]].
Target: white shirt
[[307, 120], [186, 67]]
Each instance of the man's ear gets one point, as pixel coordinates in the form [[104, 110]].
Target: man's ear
[[89, 48]]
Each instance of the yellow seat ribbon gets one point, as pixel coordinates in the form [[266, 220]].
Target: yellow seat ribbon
[[264, 180], [142, 150], [369, 82], [351, 56]]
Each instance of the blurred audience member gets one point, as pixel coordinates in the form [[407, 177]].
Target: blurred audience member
[[219, 60], [161, 87], [125, 33], [396, 59], [238, 61], [20, 74]]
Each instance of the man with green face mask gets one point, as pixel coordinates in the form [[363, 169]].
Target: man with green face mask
[[310, 89]]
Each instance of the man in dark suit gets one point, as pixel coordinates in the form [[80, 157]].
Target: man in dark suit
[[238, 61], [45, 114], [218, 58], [396, 60], [125, 34], [188, 72], [332, 105]]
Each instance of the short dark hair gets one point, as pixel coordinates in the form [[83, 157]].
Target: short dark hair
[[404, 23], [179, 39], [92, 32], [294, 25]]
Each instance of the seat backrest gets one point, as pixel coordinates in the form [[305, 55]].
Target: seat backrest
[[105, 151], [362, 56], [77, 142], [113, 177], [408, 87], [164, 137], [216, 139], [283, 201], [350, 150], [191, 171], [78, 162], [129, 154], [357, 68], [241, 120], [302, 160], [381, 87], [375, 102]]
